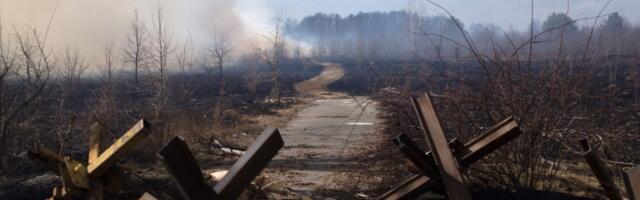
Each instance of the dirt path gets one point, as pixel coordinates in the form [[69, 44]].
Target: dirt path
[[317, 86], [323, 141]]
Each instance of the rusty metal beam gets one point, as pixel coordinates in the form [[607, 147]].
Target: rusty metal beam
[[599, 170], [478, 148], [410, 150], [458, 148], [494, 138], [109, 157], [250, 164], [412, 188], [43, 154], [632, 183], [184, 170], [444, 159]]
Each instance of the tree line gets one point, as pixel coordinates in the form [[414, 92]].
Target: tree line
[[405, 35]]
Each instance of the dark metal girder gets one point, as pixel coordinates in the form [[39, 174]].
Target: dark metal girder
[[252, 162], [478, 147], [450, 173], [599, 170], [632, 183], [184, 170]]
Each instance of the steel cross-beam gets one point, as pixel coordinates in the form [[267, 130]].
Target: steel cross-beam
[[184, 170], [186, 173], [100, 174], [96, 186], [632, 183], [425, 164], [601, 172], [109, 157], [443, 157], [250, 164], [473, 151]]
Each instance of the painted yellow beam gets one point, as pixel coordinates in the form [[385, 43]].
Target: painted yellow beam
[[96, 186], [109, 157], [77, 173], [95, 137]]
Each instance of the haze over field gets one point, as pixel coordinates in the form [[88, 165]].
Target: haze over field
[[89, 25]]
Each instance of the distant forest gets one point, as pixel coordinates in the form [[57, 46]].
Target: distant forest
[[403, 35]]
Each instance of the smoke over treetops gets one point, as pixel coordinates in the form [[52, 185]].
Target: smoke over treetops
[[91, 25]]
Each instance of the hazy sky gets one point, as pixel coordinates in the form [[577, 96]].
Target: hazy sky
[[505, 13], [90, 25]]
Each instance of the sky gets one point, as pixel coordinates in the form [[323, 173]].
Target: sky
[[505, 13], [90, 25]]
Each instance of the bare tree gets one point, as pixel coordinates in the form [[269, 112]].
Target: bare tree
[[71, 72], [73, 68], [184, 56], [252, 77], [24, 76], [136, 51], [162, 50], [272, 54], [109, 61], [634, 72], [185, 61], [221, 51], [612, 39], [106, 110]]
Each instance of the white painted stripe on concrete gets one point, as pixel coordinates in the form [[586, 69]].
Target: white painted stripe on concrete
[[359, 123]]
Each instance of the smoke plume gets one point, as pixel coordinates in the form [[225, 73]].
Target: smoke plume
[[90, 25]]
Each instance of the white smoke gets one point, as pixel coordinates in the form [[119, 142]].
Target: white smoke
[[90, 25]]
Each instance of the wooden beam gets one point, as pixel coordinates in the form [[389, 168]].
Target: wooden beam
[[109, 157], [250, 164], [184, 170], [632, 183], [478, 147], [599, 170], [446, 162]]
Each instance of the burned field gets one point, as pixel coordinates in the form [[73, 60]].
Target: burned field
[[395, 176], [246, 114], [458, 89], [567, 175], [392, 104]]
